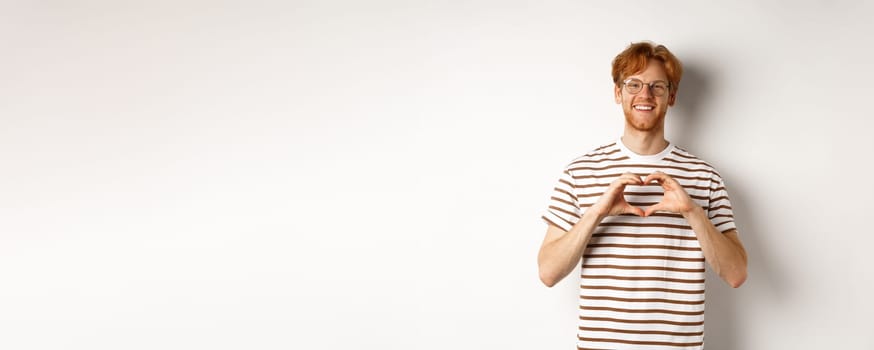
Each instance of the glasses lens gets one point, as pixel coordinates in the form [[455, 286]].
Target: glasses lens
[[633, 86], [659, 89]]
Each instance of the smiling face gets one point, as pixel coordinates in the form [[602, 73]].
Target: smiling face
[[643, 110]]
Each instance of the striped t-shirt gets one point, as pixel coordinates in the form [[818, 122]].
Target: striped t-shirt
[[642, 281]]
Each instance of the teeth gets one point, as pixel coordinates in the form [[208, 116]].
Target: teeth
[[643, 108]]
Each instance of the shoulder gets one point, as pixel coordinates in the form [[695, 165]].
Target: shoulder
[[685, 159], [604, 153]]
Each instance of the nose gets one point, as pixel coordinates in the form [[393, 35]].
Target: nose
[[646, 91]]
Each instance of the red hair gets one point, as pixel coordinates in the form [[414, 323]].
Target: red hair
[[636, 56]]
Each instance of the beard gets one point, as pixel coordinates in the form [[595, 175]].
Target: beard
[[644, 123]]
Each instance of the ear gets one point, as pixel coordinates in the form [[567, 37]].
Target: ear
[[617, 94], [672, 98]]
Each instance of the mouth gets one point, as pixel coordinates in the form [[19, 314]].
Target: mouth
[[643, 107]]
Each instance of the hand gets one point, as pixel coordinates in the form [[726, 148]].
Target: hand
[[676, 200], [612, 202]]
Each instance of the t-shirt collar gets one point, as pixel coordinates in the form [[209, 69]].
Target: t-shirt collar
[[645, 158]]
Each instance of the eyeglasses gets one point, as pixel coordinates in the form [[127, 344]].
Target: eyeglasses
[[657, 88]]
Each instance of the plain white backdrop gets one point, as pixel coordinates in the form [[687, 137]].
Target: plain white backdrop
[[370, 174]]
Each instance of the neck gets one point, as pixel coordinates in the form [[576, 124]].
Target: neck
[[644, 143]]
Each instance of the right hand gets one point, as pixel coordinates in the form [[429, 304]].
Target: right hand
[[612, 202]]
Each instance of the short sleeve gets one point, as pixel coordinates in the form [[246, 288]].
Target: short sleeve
[[719, 210], [563, 211]]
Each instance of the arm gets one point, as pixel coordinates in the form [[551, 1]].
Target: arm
[[561, 251], [723, 251]]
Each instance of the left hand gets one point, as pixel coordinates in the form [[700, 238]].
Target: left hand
[[676, 200]]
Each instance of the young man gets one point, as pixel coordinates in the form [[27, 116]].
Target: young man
[[643, 215]]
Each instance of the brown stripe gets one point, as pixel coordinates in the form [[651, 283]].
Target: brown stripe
[[642, 246], [596, 153], [628, 289], [640, 175], [643, 311], [687, 155], [640, 194], [643, 235], [599, 160], [651, 300], [719, 199], [717, 224], [613, 224], [722, 216], [647, 166], [721, 207], [599, 176], [621, 320], [605, 146], [552, 223], [643, 204], [636, 204], [637, 331], [699, 162], [624, 278], [562, 219], [564, 211], [563, 201], [592, 185], [586, 195], [662, 257], [568, 194], [718, 221], [657, 268], [661, 194], [637, 165], [638, 342], [661, 214]]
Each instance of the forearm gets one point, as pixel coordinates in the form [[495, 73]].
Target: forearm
[[726, 257], [559, 257]]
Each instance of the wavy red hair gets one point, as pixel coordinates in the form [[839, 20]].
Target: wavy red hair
[[636, 56]]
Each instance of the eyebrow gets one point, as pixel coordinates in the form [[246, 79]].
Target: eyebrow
[[654, 81]]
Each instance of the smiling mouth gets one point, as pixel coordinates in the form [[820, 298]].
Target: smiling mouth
[[643, 107]]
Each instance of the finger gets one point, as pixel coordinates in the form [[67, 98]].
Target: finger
[[655, 176], [633, 176], [630, 209], [623, 181], [631, 180], [654, 208], [664, 180]]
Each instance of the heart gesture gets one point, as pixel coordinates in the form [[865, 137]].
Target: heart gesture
[[613, 202], [676, 200]]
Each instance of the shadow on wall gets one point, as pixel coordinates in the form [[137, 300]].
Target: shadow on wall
[[691, 96], [763, 282]]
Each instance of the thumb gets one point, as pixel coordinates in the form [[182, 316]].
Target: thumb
[[630, 209], [654, 208]]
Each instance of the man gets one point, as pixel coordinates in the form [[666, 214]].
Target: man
[[643, 215]]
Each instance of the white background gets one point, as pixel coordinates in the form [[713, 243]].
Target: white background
[[370, 174]]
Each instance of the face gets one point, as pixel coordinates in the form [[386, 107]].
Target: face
[[643, 110]]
